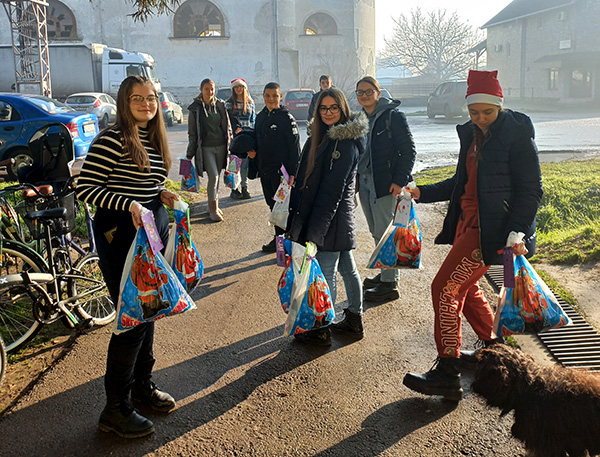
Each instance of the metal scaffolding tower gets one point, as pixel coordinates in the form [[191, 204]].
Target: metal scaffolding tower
[[30, 45]]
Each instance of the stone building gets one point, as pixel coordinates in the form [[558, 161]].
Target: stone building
[[547, 49], [289, 41]]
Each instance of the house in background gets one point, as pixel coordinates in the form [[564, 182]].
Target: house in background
[[547, 49]]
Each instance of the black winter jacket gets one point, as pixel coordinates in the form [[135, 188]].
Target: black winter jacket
[[196, 132], [509, 185], [278, 141], [323, 211], [392, 150]]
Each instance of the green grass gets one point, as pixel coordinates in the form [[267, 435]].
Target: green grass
[[567, 220]]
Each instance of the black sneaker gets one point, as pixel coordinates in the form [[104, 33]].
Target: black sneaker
[[235, 194], [270, 246], [318, 337], [382, 292]]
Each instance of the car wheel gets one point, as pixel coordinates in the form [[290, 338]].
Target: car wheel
[[22, 157], [447, 113], [170, 120], [180, 120], [430, 113], [103, 122]]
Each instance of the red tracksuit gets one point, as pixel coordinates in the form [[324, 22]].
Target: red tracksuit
[[455, 288]]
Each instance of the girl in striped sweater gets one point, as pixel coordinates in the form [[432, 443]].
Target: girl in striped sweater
[[124, 171]]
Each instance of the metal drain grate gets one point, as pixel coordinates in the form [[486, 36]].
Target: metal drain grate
[[574, 346]]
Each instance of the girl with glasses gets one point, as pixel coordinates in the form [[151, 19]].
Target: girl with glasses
[[125, 170], [383, 169], [322, 203]]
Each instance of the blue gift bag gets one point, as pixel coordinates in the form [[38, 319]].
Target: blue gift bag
[[189, 181]]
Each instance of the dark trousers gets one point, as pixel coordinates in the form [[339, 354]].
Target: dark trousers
[[270, 183], [130, 356]]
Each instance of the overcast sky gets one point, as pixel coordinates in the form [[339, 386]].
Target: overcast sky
[[476, 12]]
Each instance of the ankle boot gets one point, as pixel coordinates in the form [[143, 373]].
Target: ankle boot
[[382, 292], [351, 324], [119, 417], [213, 211], [369, 283], [245, 194], [443, 379], [318, 337], [471, 356], [149, 395]]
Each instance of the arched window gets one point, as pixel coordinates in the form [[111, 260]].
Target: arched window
[[320, 24], [60, 21], [198, 18]]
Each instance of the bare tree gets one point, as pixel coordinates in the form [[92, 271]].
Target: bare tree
[[148, 8], [432, 43]]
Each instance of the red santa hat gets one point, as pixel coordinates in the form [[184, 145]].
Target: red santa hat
[[238, 82], [484, 87]]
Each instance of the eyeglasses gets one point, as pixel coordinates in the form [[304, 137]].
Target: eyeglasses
[[368, 92], [151, 99], [333, 109]]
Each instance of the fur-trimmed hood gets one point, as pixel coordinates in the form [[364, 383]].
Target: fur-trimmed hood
[[356, 127]]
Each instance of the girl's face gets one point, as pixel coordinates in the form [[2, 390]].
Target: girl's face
[[330, 111], [483, 115], [208, 92], [143, 103], [239, 91], [367, 96]]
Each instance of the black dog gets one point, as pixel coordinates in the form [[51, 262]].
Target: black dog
[[557, 410]]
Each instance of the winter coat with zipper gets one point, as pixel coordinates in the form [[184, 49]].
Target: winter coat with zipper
[[278, 141], [196, 132], [323, 210], [390, 147], [509, 185]]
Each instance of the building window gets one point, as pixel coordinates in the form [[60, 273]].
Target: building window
[[320, 24], [553, 79], [198, 18], [60, 21], [581, 83]]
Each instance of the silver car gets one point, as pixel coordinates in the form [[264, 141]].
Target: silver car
[[171, 108], [102, 105]]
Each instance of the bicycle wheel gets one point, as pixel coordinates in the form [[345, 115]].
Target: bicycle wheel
[[97, 305], [2, 361], [17, 323]]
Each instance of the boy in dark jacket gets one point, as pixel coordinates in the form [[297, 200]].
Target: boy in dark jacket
[[278, 143]]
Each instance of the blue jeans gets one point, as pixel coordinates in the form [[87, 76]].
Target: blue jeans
[[379, 212], [330, 263]]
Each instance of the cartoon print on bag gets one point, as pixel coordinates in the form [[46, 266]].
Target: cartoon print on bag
[[147, 278]]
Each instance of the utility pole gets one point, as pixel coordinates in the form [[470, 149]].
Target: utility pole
[[29, 35]]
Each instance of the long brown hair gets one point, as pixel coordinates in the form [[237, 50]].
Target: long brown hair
[[126, 123], [246, 99], [318, 128]]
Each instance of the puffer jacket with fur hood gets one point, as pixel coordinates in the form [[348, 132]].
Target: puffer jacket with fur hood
[[323, 210]]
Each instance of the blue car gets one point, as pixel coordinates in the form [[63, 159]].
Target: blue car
[[21, 115]]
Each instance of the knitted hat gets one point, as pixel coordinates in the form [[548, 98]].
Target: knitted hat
[[238, 82], [484, 87]]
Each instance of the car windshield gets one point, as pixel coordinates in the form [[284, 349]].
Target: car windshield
[[299, 95], [49, 105], [80, 100], [150, 73], [161, 96]]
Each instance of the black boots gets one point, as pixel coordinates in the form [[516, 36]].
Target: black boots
[[149, 395], [351, 324], [270, 246], [245, 194], [318, 337], [382, 292], [443, 379], [369, 283], [471, 356], [118, 416]]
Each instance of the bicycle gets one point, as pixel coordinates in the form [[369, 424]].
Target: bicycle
[[34, 294]]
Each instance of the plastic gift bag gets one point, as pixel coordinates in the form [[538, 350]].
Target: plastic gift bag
[[529, 307], [149, 288], [231, 176], [188, 175], [181, 253], [400, 245], [303, 291], [281, 208]]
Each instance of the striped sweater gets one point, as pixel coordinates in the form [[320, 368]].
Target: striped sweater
[[109, 179]]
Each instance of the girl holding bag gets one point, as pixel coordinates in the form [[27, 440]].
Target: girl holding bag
[[494, 195], [322, 203], [125, 171]]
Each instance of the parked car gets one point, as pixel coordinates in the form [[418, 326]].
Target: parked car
[[353, 101], [171, 108], [21, 115], [224, 93], [448, 99], [102, 105], [298, 101]]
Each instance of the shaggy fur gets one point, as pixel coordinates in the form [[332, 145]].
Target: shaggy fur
[[557, 410]]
